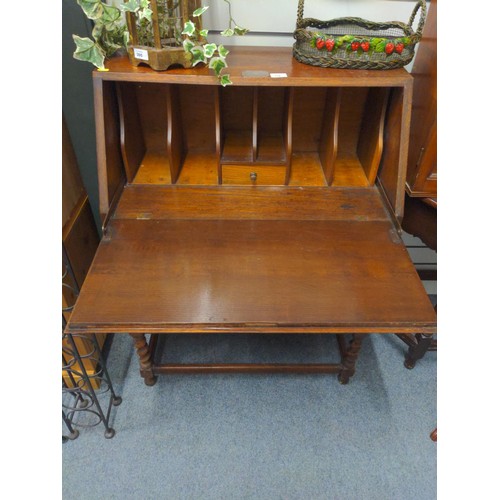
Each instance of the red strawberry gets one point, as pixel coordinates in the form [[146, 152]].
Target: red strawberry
[[365, 46], [399, 47], [389, 48], [355, 45], [320, 43], [330, 43]]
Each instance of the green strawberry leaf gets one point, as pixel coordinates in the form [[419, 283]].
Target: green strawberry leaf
[[87, 50], [380, 47]]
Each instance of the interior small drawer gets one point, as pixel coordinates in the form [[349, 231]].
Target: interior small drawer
[[253, 175]]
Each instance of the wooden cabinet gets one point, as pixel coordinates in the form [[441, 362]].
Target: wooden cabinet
[[422, 156], [269, 206], [79, 244]]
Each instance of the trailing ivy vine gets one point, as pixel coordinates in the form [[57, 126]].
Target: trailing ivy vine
[[110, 34]]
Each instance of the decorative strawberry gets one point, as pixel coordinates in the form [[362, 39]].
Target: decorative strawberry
[[365, 46], [355, 45], [330, 43], [399, 47], [320, 43], [389, 48]]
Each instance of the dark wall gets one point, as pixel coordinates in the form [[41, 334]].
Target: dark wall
[[77, 100]]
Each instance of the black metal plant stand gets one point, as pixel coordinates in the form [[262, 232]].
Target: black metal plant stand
[[83, 393]]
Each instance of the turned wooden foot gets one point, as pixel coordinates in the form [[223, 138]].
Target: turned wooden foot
[[145, 362], [434, 435], [417, 350], [349, 358]]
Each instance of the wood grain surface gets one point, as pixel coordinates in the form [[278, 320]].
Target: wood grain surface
[[273, 275], [243, 59]]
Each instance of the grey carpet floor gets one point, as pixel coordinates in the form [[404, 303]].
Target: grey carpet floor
[[238, 436]]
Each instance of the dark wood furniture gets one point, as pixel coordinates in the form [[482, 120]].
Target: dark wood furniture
[[271, 206], [420, 217], [80, 240]]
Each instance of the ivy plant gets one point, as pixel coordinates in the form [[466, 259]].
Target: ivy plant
[[208, 53], [110, 34]]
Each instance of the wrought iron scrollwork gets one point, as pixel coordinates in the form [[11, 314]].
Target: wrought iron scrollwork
[[83, 393]]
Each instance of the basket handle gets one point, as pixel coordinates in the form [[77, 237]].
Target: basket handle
[[420, 5], [300, 12]]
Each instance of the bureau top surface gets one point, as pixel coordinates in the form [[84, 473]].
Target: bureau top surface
[[241, 60]]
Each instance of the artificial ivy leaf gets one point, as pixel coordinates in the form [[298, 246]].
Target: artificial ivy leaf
[[189, 28], [111, 41], [146, 14], [225, 80], [200, 11], [204, 33], [109, 14], [188, 45], [130, 6], [97, 31], [228, 32], [217, 64], [223, 52], [87, 50], [240, 31], [198, 55], [209, 49], [145, 4], [92, 8]]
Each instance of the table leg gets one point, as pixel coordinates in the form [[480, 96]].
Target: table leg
[[145, 361], [417, 350], [349, 359], [434, 435]]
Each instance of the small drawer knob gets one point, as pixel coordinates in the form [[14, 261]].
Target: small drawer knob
[[253, 176]]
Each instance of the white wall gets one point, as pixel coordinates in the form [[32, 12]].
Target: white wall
[[272, 22], [280, 15]]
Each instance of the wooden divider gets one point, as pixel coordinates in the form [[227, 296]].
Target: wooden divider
[[249, 133]]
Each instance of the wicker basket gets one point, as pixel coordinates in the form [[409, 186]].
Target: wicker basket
[[354, 43]]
